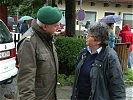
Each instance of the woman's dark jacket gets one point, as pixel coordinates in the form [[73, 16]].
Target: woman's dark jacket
[[105, 76]]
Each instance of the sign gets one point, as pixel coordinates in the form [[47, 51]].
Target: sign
[[81, 15]]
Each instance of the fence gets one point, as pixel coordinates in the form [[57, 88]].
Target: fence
[[121, 48], [16, 37], [80, 34]]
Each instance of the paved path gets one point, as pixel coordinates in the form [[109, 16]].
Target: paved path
[[63, 93], [129, 93]]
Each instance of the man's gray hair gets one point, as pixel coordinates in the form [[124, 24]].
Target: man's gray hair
[[39, 23]]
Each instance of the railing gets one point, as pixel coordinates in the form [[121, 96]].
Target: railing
[[16, 37], [80, 34], [121, 48]]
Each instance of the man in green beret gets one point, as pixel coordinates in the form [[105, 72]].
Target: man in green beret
[[38, 62]]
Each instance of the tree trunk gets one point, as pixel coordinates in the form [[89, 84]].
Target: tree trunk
[[3, 13], [70, 17]]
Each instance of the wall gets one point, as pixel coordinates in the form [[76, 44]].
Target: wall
[[100, 9]]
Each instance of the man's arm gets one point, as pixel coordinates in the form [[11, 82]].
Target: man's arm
[[27, 71]]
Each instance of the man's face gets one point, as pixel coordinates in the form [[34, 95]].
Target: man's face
[[51, 28], [112, 26]]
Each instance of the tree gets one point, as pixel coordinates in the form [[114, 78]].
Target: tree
[[27, 7], [34, 5], [70, 17]]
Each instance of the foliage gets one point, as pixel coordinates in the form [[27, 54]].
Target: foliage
[[129, 75], [30, 7], [25, 8], [61, 79], [65, 80], [70, 79], [68, 49], [10, 2]]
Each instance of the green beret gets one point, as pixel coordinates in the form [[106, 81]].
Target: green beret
[[49, 15]]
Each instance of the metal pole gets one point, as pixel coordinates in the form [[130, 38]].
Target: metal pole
[[80, 4], [79, 22], [17, 15], [49, 2]]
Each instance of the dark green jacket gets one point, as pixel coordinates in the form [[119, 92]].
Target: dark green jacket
[[38, 65], [105, 76]]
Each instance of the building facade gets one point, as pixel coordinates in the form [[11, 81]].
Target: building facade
[[97, 9]]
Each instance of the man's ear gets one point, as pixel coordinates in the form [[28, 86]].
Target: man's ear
[[44, 27]]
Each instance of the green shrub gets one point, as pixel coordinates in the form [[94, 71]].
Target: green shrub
[[70, 80], [129, 75], [61, 79], [68, 49], [64, 80]]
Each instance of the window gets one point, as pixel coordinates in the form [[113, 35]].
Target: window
[[109, 13], [128, 19], [90, 15], [63, 17], [5, 36]]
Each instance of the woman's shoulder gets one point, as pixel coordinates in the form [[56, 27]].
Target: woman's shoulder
[[110, 51]]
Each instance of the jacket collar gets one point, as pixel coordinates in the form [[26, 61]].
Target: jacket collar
[[97, 51], [40, 32], [102, 55]]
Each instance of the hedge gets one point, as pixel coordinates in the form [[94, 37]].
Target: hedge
[[68, 49]]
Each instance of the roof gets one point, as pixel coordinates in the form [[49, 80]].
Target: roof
[[129, 2], [121, 0], [117, 1]]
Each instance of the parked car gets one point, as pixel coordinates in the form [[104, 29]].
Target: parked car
[[8, 68], [60, 30]]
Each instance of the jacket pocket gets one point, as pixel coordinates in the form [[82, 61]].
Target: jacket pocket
[[45, 64], [43, 57]]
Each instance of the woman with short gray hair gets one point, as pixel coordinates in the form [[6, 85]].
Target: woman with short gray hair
[[98, 74]]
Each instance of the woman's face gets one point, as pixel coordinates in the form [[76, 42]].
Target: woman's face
[[90, 41]]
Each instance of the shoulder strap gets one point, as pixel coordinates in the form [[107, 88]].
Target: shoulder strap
[[103, 54], [82, 54], [27, 35]]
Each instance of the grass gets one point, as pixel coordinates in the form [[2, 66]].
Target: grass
[[128, 77], [64, 80]]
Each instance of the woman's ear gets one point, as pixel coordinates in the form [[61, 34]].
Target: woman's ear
[[99, 42]]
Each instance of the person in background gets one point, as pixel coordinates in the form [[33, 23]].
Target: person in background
[[111, 35], [117, 31], [98, 74], [11, 22], [127, 36], [18, 27], [38, 61], [24, 27], [87, 24]]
